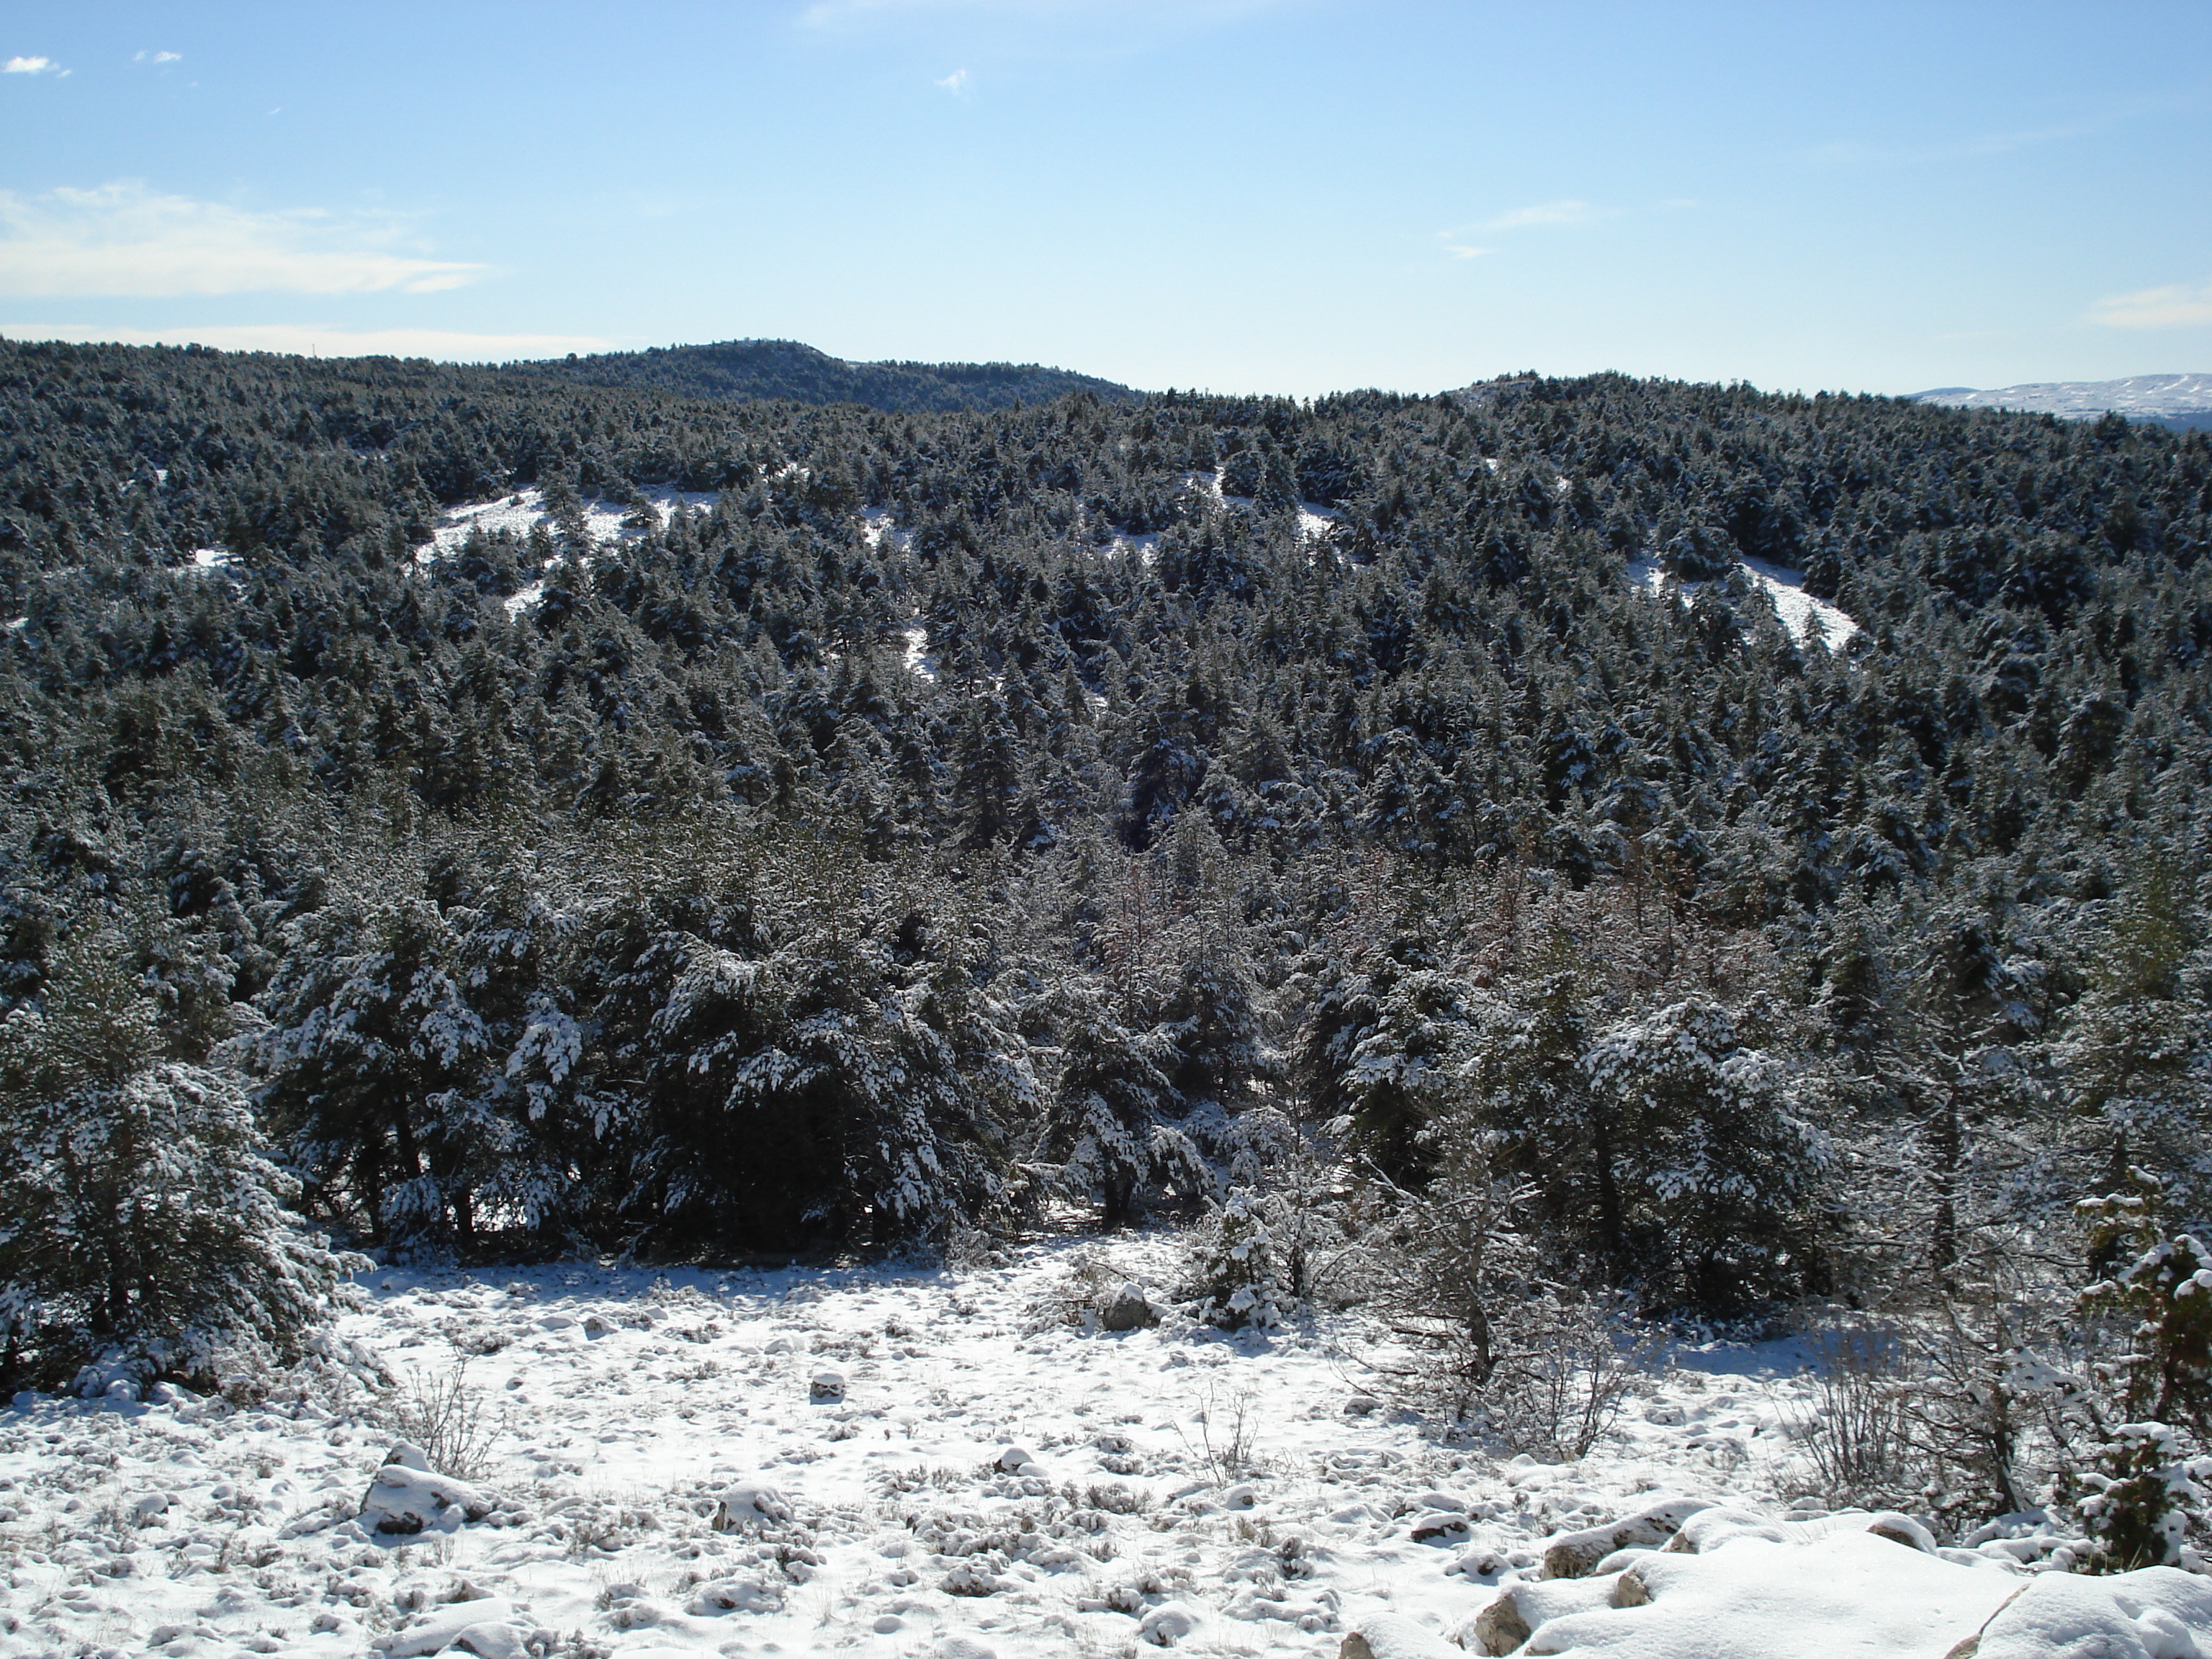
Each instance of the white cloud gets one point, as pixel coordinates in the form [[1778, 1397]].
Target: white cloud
[[313, 339], [955, 83], [32, 66], [122, 238], [2180, 306], [157, 57], [1460, 250], [1544, 213]]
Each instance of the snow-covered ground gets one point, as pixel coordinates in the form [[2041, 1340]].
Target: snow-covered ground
[[2153, 397], [910, 1461], [1805, 616], [525, 509]]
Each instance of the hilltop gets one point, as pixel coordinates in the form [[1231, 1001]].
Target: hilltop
[[751, 370]]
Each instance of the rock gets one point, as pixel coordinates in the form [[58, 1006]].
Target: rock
[[827, 1388], [1571, 1554], [738, 1595], [1393, 1636], [1708, 1530], [1848, 1593], [1131, 1310], [1440, 1527], [1482, 1562], [489, 1628], [406, 1496], [2153, 1612], [1167, 1624], [746, 1506], [1902, 1530], [1519, 1609], [1014, 1459]]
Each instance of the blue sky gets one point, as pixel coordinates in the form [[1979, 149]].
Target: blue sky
[[1295, 197]]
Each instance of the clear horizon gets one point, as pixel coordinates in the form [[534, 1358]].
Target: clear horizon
[[1281, 196]]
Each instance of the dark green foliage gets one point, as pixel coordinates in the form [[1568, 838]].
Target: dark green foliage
[[784, 368]]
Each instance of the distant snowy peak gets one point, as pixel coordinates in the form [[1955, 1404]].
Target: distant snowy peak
[[2182, 401]]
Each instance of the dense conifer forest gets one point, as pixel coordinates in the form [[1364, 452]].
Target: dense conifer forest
[[802, 827]]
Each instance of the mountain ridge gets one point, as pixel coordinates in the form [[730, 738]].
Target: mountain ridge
[[751, 370], [2180, 403]]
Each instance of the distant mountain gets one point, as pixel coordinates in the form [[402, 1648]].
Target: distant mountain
[[752, 369], [2182, 403]]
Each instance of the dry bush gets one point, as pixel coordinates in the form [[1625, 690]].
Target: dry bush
[[444, 1416]]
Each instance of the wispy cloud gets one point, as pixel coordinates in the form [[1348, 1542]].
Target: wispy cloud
[[314, 339], [1544, 213], [1457, 249], [157, 57], [123, 239], [2180, 306], [32, 66], [955, 83]]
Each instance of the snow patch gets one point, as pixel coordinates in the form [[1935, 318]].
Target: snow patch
[[522, 512], [1806, 618], [918, 659]]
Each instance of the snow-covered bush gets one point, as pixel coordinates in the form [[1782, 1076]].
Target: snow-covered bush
[[1235, 1277], [2145, 1500], [141, 1228], [1716, 1170]]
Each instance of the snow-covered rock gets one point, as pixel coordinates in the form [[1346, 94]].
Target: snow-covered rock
[[1849, 1595], [2157, 1613], [745, 1505], [1571, 1554], [407, 1496], [736, 1594], [488, 1628], [1130, 1309], [1392, 1636]]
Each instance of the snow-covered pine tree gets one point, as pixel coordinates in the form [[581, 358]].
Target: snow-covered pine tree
[[1236, 1277], [142, 1229]]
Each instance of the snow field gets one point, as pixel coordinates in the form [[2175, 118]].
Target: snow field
[[901, 1461]]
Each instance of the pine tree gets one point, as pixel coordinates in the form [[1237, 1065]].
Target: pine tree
[[141, 1225]]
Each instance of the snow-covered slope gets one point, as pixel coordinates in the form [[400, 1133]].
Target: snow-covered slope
[[1806, 618], [939, 1465], [2171, 399]]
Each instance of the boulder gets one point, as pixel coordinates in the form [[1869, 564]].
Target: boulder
[[747, 1506], [1518, 1609], [1131, 1310], [1393, 1636], [1571, 1554], [2153, 1612], [407, 1496], [735, 1595], [1167, 1624], [489, 1628]]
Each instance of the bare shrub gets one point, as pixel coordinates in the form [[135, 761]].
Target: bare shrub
[[1567, 1366], [444, 1416], [1227, 1431], [1854, 1430]]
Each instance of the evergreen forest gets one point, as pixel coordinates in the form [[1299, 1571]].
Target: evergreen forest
[[813, 827]]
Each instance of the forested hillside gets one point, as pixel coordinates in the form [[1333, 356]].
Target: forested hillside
[[771, 826], [784, 368]]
